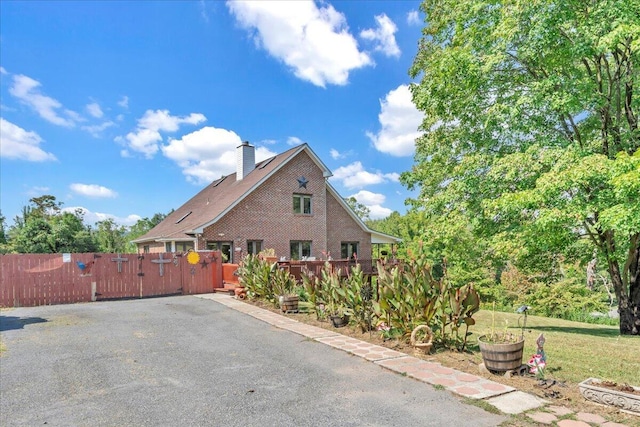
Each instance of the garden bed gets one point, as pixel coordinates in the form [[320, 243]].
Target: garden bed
[[555, 390]]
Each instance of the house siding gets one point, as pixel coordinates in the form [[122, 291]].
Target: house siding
[[154, 247], [267, 213], [342, 228]]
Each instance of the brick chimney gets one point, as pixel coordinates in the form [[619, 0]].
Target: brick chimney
[[245, 160]]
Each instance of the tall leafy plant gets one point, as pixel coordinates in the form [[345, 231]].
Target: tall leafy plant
[[255, 275]]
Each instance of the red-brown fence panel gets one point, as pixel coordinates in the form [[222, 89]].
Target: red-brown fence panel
[[116, 276], [201, 273], [44, 279]]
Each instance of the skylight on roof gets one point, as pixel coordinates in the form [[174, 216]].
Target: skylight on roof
[[183, 217], [266, 162]]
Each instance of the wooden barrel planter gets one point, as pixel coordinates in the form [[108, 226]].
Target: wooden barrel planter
[[289, 303], [499, 356]]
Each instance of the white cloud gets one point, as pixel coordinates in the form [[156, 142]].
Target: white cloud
[[374, 202], [124, 102], [294, 140], [3, 71], [336, 155], [208, 153], [20, 144], [93, 217], [92, 190], [383, 36], [145, 138], [27, 91], [399, 119], [413, 18], [379, 212], [162, 120], [203, 11], [312, 39], [96, 130], [354, 176], [95, 110], [368, 198], [37, 191]]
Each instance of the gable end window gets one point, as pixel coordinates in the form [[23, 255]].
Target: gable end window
[[302, 204]]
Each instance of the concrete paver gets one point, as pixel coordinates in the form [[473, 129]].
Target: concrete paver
[[559, 410], [543, 417], [590, 418], [573, 423], [516, 402]]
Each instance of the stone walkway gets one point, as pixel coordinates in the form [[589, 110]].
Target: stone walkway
[[506, 399]]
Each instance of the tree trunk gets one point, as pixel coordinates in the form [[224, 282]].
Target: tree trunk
[[628, 299], [629, 317]]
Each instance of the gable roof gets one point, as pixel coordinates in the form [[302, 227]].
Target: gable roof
[[216, 199], [219, 197]]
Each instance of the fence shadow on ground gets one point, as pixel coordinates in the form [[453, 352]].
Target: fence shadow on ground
[[8, 323]]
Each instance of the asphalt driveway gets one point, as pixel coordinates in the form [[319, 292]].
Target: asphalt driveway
[[187, 361]]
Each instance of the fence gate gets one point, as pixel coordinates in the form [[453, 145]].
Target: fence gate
[[44, 279]]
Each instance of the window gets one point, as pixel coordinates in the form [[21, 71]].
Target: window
[[179, 246], [224, 247], [254, 247], [300, 249], [302, 204], [145, 249], [347, 249], [183, 246]]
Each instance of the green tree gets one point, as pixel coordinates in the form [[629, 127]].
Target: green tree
[[45, 228], [110, 237], [361, 210], [531, 131], [4, 248], [141, 227]]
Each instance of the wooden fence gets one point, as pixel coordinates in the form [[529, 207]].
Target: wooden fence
[[28, 280]]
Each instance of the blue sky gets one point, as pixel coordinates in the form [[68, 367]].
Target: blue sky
[[126, 109]]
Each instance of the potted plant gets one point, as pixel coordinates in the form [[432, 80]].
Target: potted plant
[[269, 255], [283, 285], [422, 339], [335, 297], [339, 314], [501, 351]]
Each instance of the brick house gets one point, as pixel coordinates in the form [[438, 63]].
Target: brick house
[[284, 202]]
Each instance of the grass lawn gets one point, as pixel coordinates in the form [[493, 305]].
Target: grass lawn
[[575, 351]]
